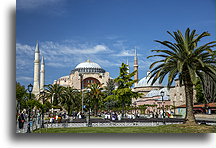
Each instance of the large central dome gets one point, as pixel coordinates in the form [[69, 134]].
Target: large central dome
[[88, 67], [87, 64]]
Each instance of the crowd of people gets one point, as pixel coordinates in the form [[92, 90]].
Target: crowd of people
[[59, 117]]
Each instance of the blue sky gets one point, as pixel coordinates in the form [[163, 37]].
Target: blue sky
[[104, 31]]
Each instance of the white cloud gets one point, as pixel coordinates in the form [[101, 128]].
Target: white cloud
[[106, 63], [24, 78], [32, 4], [52, 48], [60, 54], [88, 50], [55, 64], [46, 7], [24, 49], [120, 44], [126, 53]]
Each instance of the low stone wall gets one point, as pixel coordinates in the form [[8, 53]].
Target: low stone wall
[[110, 124], [213, 116]]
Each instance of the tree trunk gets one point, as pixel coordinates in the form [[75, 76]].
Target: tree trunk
[[123, 110], [190, 118], [209, 88]]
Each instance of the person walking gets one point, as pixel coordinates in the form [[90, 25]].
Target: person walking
[[21, 121]]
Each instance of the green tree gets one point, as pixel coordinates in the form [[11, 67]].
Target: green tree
[[43, 103], [54, 92], [142, 108], [199, 93], [110, 86], [31, 103], [123, 93], [21, 97], [71, 100], [109, 101], [185, 59], [96, 95]]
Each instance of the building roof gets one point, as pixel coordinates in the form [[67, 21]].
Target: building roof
[[88, 67], [154, 93], [199, 105], [144, 82], [88, 64], [65, 77]]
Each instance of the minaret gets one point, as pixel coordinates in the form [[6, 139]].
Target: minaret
[[42, 74], [135, 67], [36, 87], [128, 67]]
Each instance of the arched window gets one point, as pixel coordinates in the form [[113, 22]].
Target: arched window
[[89, 81]]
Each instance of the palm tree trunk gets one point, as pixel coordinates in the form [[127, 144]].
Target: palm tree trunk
[[190, 118]]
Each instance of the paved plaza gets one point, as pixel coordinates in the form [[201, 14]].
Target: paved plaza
[[109, 123]]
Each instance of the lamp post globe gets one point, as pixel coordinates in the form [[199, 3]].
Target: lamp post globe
[[30, 87]]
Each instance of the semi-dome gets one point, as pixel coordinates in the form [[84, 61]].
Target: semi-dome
[[153, 93], [166, 94], [144, 81], [165, 90], [88, 67]]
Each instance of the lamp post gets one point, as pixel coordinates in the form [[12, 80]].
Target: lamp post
[[89, 104], [174, 106], [52, 101], [135, 109], [81, 87], [162, 95], [42, 94], [30, 87]]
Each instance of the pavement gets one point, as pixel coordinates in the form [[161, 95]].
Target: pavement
[[36, 125]]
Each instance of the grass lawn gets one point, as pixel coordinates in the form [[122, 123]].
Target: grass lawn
[[174, 128]]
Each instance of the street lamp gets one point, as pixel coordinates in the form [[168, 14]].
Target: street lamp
[[81, 87], [162, 95], [135, 109], [42, 94], [89, 104], [30, 87], [52, 101], [174, 106]]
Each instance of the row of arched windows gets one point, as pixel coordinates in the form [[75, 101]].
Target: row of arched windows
[[89, 70]]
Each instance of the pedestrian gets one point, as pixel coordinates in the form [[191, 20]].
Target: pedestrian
[[156, 115], [21, 120], [38, 117]]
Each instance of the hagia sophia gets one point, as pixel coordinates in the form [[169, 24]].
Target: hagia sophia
[[84, 74], [89, 72]]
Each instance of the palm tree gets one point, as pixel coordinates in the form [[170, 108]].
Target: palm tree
[[54, 91], [71, 100], [96, 95], [187, 61], [43, 104]]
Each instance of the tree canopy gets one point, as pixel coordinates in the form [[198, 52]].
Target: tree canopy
[[187, 61]]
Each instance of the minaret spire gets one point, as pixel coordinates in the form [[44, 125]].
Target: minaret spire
[[42, 74], [36, 87], [135, 67], [128, 66]]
